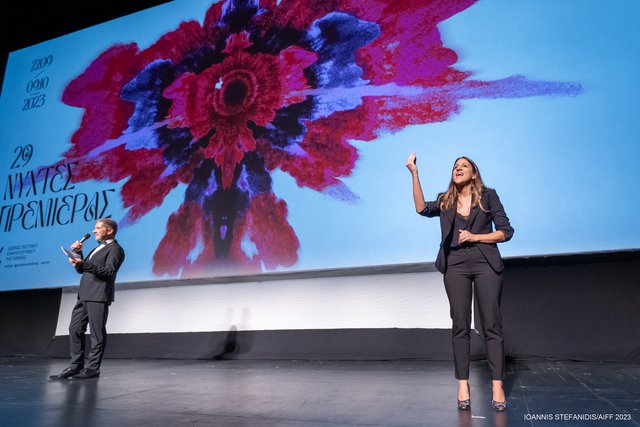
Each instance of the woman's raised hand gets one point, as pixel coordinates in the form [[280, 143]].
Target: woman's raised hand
[[411, 163]]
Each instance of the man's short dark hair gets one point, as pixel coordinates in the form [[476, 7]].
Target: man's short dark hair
[[109, 223]]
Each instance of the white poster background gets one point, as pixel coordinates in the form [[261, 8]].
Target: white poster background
[[410, 300]]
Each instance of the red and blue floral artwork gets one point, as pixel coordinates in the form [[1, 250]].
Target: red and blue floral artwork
[[258, 87]]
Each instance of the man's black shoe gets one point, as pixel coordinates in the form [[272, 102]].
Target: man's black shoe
[[69, 372], [85, 374]]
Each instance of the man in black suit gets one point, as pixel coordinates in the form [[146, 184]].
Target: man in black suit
[[95, 294]]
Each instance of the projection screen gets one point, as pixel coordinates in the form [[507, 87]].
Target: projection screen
[[234, 138]]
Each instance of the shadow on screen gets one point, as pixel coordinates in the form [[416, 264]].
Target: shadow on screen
[[237, 339]]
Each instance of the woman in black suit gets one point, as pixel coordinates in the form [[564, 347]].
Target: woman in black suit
[[469, 255]]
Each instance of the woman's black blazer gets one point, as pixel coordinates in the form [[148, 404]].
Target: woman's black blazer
[[480, 222]]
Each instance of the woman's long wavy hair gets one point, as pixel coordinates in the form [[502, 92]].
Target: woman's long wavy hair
[[449, 199]]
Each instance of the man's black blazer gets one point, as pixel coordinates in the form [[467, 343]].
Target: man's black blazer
[[99, 273], [480, 222]]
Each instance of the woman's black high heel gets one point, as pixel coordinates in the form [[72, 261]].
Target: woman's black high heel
[[499, 406], [465, 405]]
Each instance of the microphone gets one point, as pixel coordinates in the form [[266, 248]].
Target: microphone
[[85, 237]]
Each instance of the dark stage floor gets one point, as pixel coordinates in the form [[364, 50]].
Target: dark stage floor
[[314, 393]]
